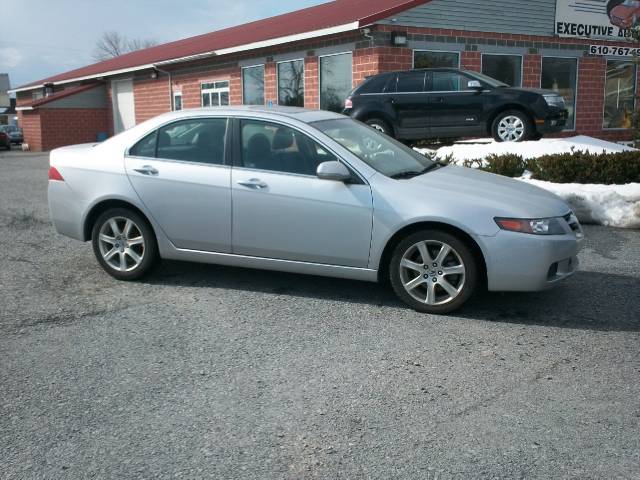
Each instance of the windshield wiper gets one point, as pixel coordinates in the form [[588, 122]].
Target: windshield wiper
[[413, 173]]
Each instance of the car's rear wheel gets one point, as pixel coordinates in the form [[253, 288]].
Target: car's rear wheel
[[380, 125], [433, 271], [124, 244], [512, 126]]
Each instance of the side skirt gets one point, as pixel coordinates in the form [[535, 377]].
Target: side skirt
[[290, 266]]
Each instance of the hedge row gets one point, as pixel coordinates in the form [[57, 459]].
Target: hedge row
[[574, 167]]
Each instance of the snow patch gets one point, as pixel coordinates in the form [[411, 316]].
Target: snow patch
[[610, 205], [482, 148]]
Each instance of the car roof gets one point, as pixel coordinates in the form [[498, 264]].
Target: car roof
[[300, 114]]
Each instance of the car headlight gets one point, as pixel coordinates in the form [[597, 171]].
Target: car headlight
[[554, 100], [537, 226]]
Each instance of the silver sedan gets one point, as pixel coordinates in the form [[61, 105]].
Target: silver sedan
[[308, 192]]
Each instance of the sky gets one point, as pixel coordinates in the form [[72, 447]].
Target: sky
[[48, 37]]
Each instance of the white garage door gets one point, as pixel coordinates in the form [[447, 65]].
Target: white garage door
[[124, 114]]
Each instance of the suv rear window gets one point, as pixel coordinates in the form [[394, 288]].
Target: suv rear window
[[373, 85]]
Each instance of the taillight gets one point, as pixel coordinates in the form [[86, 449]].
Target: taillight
[[348, 103], [54, 175]]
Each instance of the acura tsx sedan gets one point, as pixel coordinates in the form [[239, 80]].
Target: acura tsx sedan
[[308, 192]]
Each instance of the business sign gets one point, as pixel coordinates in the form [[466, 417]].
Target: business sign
[[603, 19]]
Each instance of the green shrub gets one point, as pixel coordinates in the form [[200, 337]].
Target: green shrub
[[509, 165], [571, 167], [583, 167]]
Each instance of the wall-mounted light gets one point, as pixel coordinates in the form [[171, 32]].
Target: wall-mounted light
[[399, 39], [154, 74]]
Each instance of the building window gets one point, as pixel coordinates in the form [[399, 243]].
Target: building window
[[177, 101], [253, 85], [336, 81], [215, 94], [619, 94], [561, 76], [506, 68], [291, 83], [430, 59]]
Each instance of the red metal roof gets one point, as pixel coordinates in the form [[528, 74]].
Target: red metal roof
[[326, 15]]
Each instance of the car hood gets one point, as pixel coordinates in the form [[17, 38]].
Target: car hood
[[539, 91], [501, 196]]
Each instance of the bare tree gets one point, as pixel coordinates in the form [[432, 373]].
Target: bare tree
[[112, 44]]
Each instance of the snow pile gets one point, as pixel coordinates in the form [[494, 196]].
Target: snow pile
[[479, 149], [610, 205]]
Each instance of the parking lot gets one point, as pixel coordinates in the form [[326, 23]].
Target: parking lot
[[210, 372]]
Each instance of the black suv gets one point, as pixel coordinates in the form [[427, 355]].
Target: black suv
[[452, 103]]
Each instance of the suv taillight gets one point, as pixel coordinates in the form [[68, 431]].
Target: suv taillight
[[348, 103]]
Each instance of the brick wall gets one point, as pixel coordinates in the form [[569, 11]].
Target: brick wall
[[151, 97], [68, 126], [30, 124], [311, 83], [471, 61], [531, 71], [270, 83], [590, 104], [365, 63]]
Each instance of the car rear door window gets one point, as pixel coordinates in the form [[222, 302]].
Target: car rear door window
[[194, 140], [412, 82], [278, 148]]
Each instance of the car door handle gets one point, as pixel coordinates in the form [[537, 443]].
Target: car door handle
[[254, 183], [147, 170]]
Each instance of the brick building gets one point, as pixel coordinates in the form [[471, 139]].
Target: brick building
[[314, 57]]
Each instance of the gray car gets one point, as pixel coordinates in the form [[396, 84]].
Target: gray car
[[308, 192]]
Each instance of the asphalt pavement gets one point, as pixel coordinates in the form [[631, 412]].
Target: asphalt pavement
[[203, 371]]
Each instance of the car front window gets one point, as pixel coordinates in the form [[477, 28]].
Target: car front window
[[379, 151]]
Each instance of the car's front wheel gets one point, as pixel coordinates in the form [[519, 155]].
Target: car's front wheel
[[380, 125], [512, 126], [124, 244], [433, 271]]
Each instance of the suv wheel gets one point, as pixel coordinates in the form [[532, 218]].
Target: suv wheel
[[380, 125], [433, 272], [124, 244], [512, 126]]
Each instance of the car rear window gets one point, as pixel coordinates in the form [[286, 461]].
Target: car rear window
[[375, 84]]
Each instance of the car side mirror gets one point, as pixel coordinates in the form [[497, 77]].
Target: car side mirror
[[474, 85], [333, 171]]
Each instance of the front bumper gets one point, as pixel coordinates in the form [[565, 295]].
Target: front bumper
[[554, 122], [524, 263]]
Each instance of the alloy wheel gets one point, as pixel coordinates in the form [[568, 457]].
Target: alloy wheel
[[511, 129], [432, 272], [121, 244]]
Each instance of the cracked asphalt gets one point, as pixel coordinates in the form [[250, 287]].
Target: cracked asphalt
[[210, 372]]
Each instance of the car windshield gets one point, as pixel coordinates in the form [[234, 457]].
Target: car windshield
[[487, 79], [380, 152]]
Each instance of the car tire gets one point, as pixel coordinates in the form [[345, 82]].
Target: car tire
[[439, 284], [9, 147], [380, 125], [512, 126], [124, 244]]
